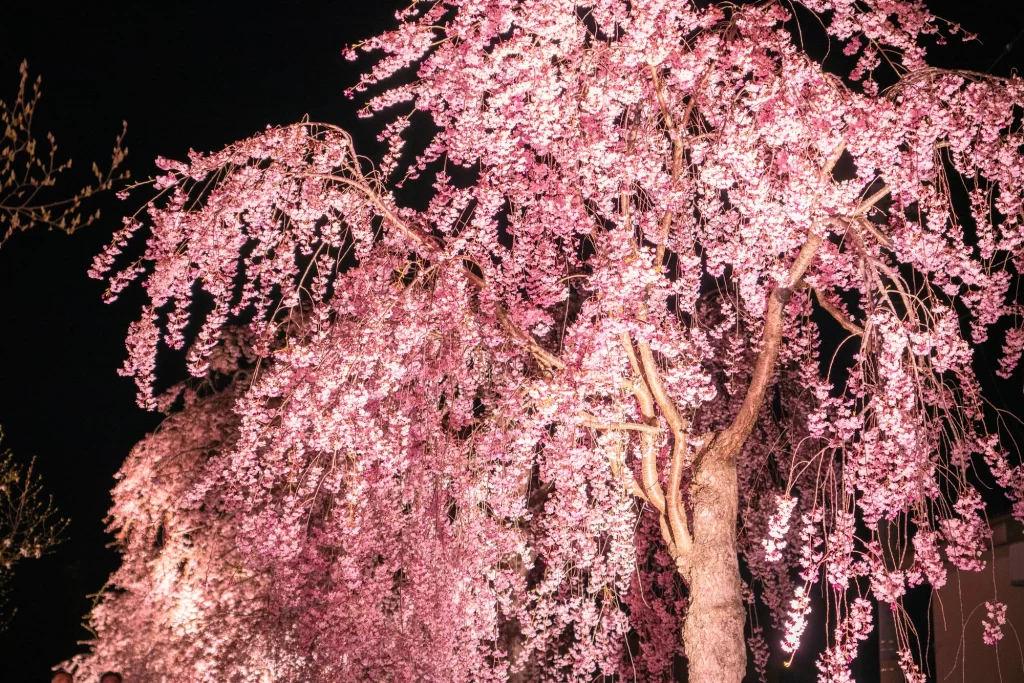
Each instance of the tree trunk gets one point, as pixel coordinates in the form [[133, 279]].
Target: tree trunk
[[713, 631], [514, 640], [716, 649], [511, 630]]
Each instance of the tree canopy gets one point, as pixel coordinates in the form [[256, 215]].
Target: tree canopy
[[679, 300]]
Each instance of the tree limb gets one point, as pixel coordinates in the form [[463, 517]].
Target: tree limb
[[729, 441], [882, 238], [593, 423], [835, 312], [866, 205], [648, 462], [674, 507]]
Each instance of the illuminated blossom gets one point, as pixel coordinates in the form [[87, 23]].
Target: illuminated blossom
[[995, 619], [778, 527], [535, 386]]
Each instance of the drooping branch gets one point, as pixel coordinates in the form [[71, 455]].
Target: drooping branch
[[419, 235]]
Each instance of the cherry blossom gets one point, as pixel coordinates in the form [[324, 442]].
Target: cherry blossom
[[518, 402], [995, 619]]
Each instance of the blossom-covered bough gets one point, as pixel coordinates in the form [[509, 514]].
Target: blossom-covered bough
[[680, 299]]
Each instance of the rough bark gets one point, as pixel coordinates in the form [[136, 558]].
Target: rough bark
[[704, 548], [522, 666], [713, 632], [514, 641]]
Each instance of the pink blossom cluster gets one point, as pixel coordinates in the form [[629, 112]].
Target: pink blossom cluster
[[908, 665], [796, 624], [995, 619], [967, 533], [778, 528], [854, 627], [928, 566]]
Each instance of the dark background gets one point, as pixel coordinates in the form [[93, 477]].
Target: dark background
[[184, 74]]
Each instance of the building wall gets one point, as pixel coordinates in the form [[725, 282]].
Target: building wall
[[959, 608]]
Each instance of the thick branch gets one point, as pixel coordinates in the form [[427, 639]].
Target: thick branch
[[729, 442], [682, 561], [648, 461], [674, 507]]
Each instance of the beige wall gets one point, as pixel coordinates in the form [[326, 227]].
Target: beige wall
[[958, 610]]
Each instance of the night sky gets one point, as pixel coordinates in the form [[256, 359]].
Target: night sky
[[183, 74]]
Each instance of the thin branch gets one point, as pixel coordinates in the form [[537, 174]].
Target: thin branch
[[593, 423], [542, 355], [835, 312]]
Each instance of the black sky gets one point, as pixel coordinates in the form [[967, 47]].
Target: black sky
[[183, 74]]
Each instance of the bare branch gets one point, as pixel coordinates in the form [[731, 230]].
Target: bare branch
[[594, 423], [840, 317], [29, 171]]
